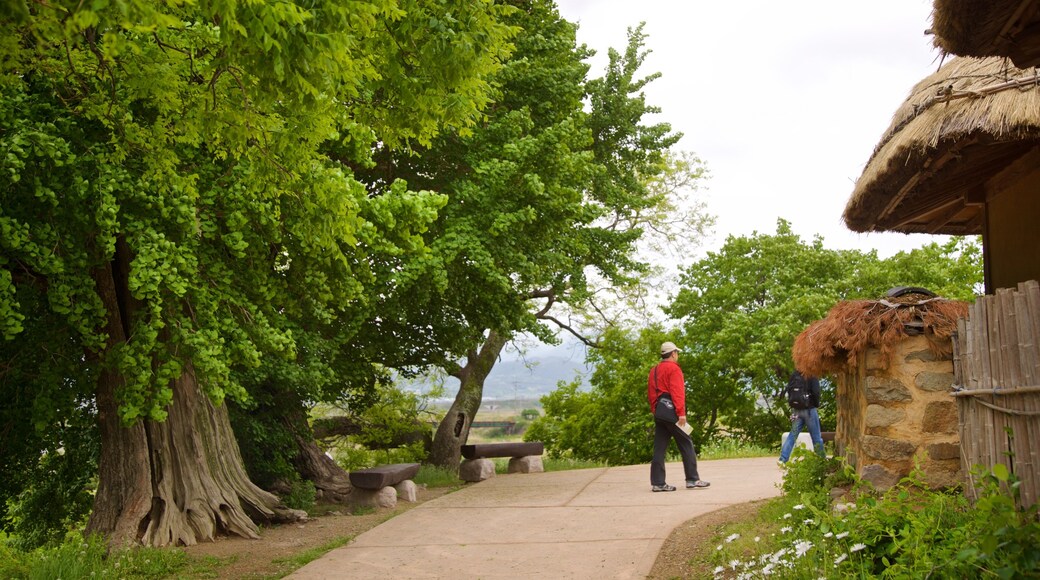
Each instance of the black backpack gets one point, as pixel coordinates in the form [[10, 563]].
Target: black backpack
[[799, 393]]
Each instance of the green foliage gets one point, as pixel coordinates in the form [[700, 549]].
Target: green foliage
[[907, 532], [177, 190], [79, 557], [301, 496], [805, 474]]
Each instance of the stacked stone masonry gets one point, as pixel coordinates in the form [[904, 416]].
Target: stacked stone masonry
[[890, 417]]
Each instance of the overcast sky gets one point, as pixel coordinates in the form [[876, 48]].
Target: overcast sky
[[784, 101]]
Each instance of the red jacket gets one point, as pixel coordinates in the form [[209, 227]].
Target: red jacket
[[669, 380]]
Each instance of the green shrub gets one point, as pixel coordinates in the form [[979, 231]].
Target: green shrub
[[301, 496], [907, 532]]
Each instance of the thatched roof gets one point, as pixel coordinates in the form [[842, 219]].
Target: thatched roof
[[983, 28], [959, 128], [833, 344]]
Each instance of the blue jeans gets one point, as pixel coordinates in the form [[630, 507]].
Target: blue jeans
[[803, 418]]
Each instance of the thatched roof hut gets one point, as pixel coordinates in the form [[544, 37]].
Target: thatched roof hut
[[962, 157], [833, 344], [983, 28], [960, 127]]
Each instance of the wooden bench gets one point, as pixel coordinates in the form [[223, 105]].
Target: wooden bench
[[524, 457], [383, 475], [380, 486], [515, 449]]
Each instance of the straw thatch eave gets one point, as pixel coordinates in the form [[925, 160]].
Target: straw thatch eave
[[834, 344], [984, 28], [960, 127]]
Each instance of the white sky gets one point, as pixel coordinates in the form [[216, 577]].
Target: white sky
[[784, 101]]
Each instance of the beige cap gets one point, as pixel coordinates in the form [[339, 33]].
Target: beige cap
[[668, 348]]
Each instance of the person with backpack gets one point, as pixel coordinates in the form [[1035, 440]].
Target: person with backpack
[[666, 393], [803, 396]]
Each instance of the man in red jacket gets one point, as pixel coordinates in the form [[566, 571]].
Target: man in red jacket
[[667, 377]]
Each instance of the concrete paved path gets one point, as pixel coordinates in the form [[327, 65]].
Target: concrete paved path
[[587, 523]]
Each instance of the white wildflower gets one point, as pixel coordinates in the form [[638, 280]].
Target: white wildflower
[[801, 547], [841, 535], [787, 516], [734, 563], [757, 538], [857, 547], [718, 570], [767, 570], [807, 521], [785, 529], [828, 534], [732, 537], [719, 547], [799, 507], [840, 559]]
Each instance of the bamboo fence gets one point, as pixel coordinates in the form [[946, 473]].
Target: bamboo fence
[[996, 359]]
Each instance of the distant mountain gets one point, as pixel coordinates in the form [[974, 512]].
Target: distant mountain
[[515, 379], [531, 378]]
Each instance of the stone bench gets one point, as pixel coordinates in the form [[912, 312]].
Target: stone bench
[[524, 457], [380, 486]]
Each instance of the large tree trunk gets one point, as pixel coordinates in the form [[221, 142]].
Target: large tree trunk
[[454, 428], [180, 481], [175, 482]]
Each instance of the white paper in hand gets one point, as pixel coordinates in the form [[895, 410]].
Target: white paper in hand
[[686, 428]]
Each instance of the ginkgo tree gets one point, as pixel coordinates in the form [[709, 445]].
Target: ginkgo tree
[[176, 187]]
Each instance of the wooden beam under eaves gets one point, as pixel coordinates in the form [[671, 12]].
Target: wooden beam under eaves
[[1015, 171], [928, 169], [943, 217]]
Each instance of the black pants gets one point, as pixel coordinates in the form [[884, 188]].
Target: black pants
[[663, 433]]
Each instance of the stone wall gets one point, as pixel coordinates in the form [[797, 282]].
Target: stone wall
[[889, 417]]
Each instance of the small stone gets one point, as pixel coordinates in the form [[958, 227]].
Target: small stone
[[940, 417], [885, 390], [886, 448], [385, 497], [881, 416], [528, 464], [406, 490], [934, 382], [923, 356], [879, 477], [943, 451], [476, 469]]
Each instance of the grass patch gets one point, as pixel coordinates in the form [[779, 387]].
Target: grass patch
[[732, 449], [80, 557], [432, 476], [307, 556]]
